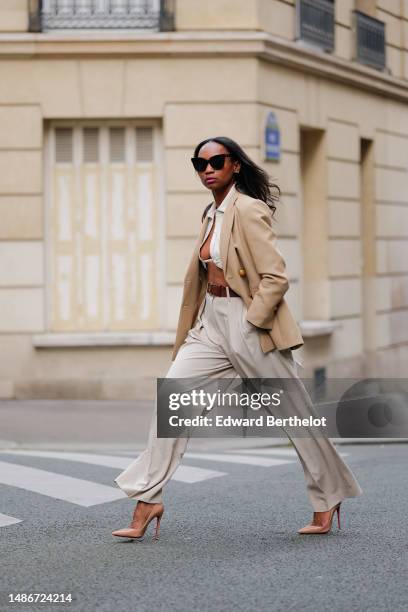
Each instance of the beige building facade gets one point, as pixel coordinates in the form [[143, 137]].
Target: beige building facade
[[100, 206]]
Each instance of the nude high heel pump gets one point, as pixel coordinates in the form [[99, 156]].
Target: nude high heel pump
[[137, 533], [319, 526]]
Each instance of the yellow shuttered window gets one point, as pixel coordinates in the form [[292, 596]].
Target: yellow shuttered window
[[103, 227]]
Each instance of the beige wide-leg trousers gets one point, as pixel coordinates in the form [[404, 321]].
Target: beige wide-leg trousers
[[224, 344]]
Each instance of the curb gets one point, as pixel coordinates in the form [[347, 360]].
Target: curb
[[203, 444]]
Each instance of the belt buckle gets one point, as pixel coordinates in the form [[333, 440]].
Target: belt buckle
[[212, 288], [217, 290]]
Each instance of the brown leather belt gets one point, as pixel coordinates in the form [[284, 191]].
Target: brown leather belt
[[220, 290]]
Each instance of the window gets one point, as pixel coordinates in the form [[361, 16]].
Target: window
[[369, 40], [103, 228], [315, 22], [101, 14]]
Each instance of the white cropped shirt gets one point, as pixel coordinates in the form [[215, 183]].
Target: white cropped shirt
[[218, 213]]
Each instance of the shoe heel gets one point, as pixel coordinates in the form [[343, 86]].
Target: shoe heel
[[157, 531], [338, 516]]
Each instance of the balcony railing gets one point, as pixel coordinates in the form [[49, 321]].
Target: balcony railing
[[48, 15], [315, 22], [369, 40]]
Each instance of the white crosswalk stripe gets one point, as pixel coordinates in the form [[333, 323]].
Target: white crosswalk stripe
[[283, 452], [105, 460], [243, 459], [8, 520], [74, 490], [184, 473], [189, 474], [276, 452]]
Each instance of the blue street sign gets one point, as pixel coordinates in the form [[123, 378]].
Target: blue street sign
[[272, 138]]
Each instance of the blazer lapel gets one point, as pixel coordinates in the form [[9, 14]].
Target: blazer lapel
[[225, 234], [194, 265]]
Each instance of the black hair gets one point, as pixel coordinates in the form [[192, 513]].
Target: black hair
[[251, 180]]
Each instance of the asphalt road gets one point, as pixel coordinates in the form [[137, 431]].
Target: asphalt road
[[228, 538]]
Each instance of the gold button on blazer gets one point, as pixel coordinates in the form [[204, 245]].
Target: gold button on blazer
[[253, 267]]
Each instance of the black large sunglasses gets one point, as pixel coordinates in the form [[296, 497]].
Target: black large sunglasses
[[216, 162]]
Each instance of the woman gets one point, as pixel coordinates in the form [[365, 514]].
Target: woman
[[234, 322]]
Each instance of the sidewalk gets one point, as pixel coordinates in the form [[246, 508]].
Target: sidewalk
[[104, 425]]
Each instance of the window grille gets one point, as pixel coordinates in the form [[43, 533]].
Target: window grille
[[369, 40], [315, 22], [101, 14]]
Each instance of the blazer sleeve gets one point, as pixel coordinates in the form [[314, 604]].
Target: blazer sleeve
[[268, 262]]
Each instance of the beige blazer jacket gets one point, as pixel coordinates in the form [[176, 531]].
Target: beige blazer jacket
[[253, 267]]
